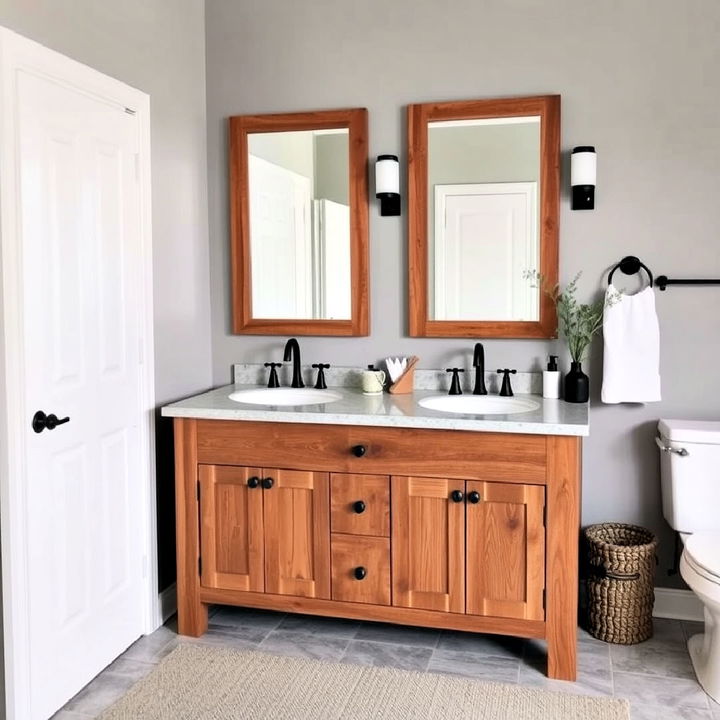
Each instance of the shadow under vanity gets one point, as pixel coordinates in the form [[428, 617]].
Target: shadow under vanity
[[397, 508]]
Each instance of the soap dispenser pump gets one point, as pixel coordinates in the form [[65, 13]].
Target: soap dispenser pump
[[551, 379]]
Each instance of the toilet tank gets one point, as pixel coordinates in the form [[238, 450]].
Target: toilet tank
[[690, 474]]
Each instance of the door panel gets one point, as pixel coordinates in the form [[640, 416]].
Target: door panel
[[231, 529], [428, 559], [297, 533], [506, 551]]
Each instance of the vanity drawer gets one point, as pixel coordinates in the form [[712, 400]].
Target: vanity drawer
[[374, 450], [360, 569], [360, 504]]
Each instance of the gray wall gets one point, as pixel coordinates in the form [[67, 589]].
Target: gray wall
[[483, 154], [158, 47], [638, 80], [293, 151], [332, 175]]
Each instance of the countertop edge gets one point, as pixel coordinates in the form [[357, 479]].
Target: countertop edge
[[424, 423]]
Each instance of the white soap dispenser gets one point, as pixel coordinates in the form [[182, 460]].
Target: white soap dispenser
[[551, 379]]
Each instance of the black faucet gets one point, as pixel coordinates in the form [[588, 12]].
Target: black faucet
[[292, 352], [479, 365]]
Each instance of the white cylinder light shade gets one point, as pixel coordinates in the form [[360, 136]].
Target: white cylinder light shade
[[387, 175], [583, 166]]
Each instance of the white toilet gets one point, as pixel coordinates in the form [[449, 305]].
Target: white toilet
[[690, 470]]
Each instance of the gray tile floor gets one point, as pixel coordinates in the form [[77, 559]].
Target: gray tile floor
[[656, 676]]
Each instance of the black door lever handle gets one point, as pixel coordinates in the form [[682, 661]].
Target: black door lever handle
[[41, 421]]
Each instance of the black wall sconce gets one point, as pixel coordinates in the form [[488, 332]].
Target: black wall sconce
[[387, 184], [583, 172]]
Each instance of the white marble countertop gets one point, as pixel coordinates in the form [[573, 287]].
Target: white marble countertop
[[552, 417]]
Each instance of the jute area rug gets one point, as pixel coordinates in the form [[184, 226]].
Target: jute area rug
[[199, 682]]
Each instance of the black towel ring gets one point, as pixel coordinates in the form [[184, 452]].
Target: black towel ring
[[630, 265]]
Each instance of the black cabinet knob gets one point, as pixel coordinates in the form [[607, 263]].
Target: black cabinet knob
[[267, 483], [457, 496], [474, 497], [360, 573], [253, 482], [358, 450], [359, 507]]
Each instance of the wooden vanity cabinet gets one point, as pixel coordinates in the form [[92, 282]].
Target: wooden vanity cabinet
[[448, 529]]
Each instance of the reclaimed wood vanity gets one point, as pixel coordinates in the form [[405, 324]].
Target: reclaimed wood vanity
[[446, 528]]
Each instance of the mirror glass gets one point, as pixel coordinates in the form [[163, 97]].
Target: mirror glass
[[299, 207], [482, 214]]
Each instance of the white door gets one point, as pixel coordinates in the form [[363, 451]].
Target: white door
[[280, 241], [485, 243], [78, 228]]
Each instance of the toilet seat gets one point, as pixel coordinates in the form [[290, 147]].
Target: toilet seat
[[702, 553]]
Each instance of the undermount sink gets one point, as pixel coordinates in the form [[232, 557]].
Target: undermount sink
[[285, 396], [478, 404]]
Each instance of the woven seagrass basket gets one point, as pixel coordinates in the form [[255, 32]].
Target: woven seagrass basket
[[620, 596]]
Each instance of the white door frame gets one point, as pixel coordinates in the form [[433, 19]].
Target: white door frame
[[20, 55]]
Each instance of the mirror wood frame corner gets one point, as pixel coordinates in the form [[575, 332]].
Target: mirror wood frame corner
[[547, 107], [355, 120]]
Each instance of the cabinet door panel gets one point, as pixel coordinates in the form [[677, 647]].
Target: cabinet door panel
[[231, 529], [428, 558], [506, 551], [297, 533]]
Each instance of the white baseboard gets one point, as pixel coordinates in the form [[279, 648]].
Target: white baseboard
[[677, 604], [168, 601]]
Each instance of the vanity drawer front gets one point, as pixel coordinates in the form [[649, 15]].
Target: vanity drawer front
[[360, 569], [374, 450], [360, 504]]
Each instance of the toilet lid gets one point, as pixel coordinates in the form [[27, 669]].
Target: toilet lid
[[703, 549]]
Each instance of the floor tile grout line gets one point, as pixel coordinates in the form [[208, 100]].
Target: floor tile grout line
[[398, 642]]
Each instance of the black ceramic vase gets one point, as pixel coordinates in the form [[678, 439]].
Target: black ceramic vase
[[577, 384]]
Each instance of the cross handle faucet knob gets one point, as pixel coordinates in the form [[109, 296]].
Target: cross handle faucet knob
[[273, 381], [455, 388], [506, 389], [320, 384]]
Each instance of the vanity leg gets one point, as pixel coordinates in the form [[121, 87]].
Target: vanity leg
[[564, 460], [192, 614]]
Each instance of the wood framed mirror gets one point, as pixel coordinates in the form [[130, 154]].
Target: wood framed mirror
[[483, 198], [299, 223]]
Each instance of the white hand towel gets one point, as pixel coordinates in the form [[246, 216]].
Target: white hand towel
[[631, 367]]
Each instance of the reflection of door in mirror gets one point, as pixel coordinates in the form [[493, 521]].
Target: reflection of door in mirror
[[484, 246], [483, 188], [482, 218], [299, 224]]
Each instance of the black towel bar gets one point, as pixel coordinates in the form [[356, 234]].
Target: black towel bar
[[663, 281]]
